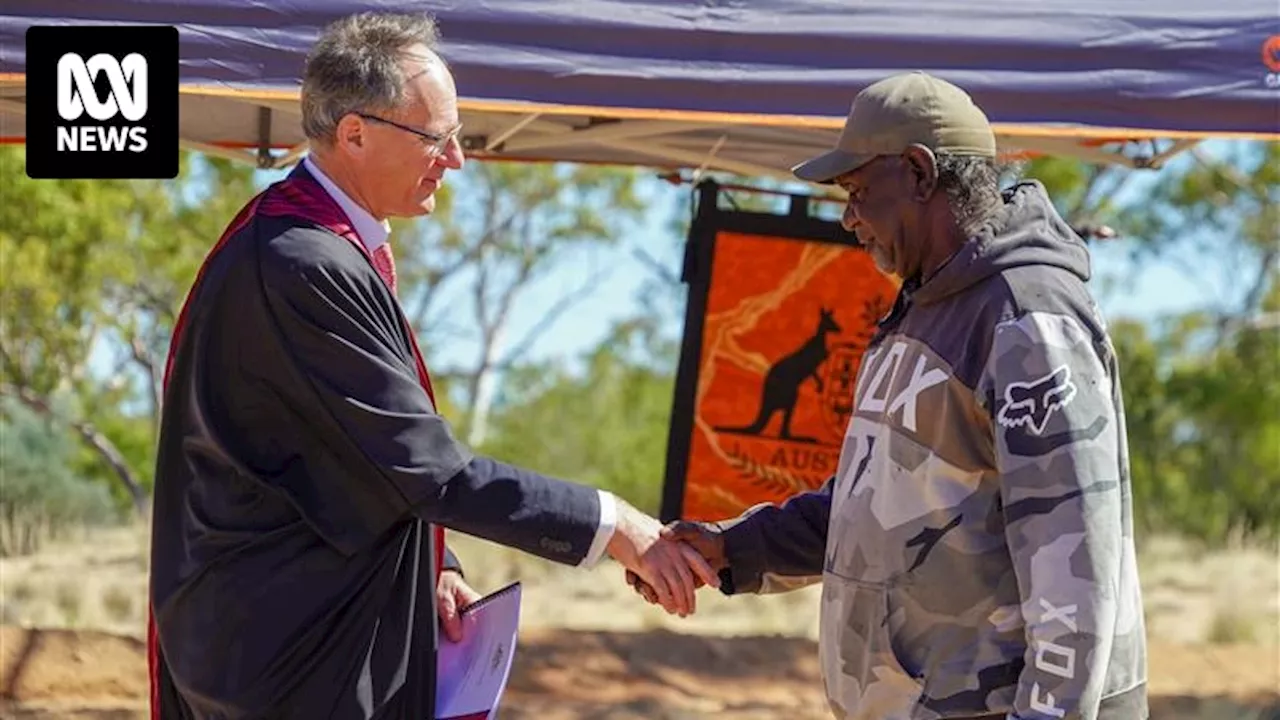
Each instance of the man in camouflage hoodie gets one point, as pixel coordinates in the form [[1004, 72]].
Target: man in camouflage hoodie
[[975, 546]]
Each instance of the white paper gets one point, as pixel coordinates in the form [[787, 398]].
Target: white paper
[[472, 673]]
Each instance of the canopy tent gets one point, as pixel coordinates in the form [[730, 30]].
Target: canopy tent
[[750, 88]]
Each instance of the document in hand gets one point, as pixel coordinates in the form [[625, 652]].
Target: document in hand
[[473, 672]]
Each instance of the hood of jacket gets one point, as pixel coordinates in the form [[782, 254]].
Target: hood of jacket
[[1026, 231]]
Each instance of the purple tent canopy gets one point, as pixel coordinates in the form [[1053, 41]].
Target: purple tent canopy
[[745, 86]]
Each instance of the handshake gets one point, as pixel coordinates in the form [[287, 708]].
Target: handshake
[[667, 565]]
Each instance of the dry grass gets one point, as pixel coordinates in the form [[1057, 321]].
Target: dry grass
[[97, 583], [1228, 597]]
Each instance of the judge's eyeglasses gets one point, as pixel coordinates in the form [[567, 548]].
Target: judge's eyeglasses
[[435, 144]]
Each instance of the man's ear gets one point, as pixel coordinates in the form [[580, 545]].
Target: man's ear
[[923, 166], [350, 136]]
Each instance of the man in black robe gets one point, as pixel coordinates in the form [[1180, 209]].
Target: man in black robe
[[304, 475]]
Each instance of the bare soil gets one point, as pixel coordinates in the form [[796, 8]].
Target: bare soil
[[581, 675]]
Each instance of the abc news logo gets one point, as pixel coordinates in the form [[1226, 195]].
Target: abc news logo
[[102, 102], [127, 97]]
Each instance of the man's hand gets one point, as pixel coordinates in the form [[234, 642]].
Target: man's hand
[[705, 538], [672, 570], [452, 594]]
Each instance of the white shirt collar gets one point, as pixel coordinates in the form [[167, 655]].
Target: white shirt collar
[[372, 232]]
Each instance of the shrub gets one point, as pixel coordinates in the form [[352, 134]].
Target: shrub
[[41, 499]]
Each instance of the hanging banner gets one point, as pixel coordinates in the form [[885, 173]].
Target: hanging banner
[[780, 311]]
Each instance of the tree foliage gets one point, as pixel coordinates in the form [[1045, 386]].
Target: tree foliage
[[606, 426], [42, 497], [1201, 388], [468, 265], [94, 272]]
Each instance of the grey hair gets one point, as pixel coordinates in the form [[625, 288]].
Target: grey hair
[[355, 66], [972, 185]]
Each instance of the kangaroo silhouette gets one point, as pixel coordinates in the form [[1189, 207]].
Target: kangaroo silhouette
[[782, 382]]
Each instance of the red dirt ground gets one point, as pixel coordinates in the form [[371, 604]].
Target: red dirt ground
[[574, 675]]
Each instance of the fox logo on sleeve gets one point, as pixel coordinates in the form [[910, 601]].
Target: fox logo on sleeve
[[1032, 403]]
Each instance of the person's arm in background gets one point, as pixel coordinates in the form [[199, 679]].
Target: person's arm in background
[[1058, 445], [767, 549]]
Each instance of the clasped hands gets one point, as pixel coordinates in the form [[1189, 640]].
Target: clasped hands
[[689, 555], [665, 565]]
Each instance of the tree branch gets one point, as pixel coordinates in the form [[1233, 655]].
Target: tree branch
[[142, 355], [655, 266], [122, 361], [1195, 275], [162, 306], [100, 443], [548, 319], [1228, 171], [437, 276], [11, 366], [1253, 296], [509, 295], [439, 328], [1083, 203]]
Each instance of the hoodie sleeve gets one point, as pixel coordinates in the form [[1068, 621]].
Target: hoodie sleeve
[[1060, 464], [776, 548]]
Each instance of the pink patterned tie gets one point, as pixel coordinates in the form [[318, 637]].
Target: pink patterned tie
[[386, 265]]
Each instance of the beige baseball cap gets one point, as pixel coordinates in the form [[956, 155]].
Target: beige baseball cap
[[901, 110]]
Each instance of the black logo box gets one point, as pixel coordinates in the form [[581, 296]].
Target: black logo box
[[45, 45]]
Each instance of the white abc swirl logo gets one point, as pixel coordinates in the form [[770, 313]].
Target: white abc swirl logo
[[127, 79]]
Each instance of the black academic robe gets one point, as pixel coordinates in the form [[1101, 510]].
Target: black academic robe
[[302, 477]]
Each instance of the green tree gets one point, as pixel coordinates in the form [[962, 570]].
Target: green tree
[[1230, 444], [43, 498], [465, 268], [1200, 387], [606, 426], [1217, 216], [1204, 434], [1211, 214], [94, 273], [1151, 419]]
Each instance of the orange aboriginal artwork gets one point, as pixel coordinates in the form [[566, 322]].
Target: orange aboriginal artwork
[[785, 326]]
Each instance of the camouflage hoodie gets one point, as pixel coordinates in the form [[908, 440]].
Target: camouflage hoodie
[[976, 544]]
